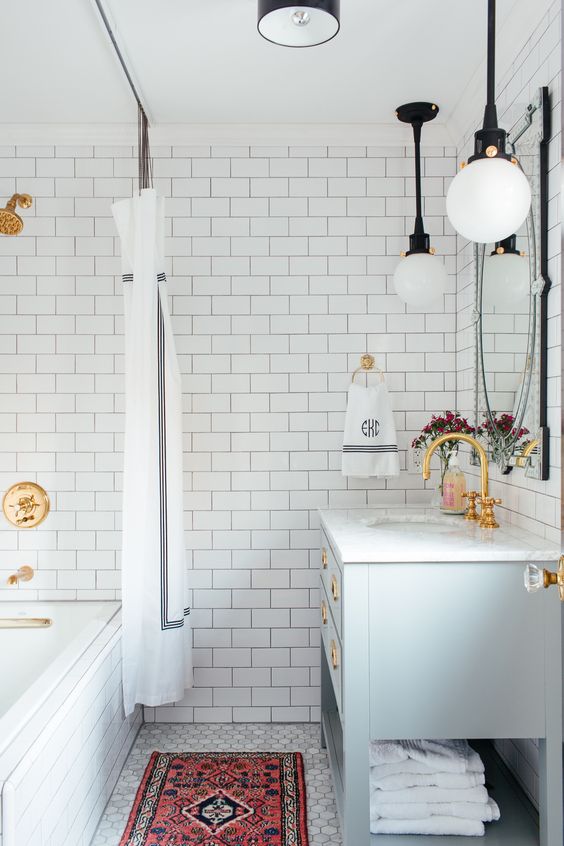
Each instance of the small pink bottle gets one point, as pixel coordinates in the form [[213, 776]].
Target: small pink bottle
[[454, 485]]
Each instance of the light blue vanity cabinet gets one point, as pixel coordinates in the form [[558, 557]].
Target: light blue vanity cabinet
[[428, 632]]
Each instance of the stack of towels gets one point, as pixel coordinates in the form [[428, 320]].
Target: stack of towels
[[428, 787]]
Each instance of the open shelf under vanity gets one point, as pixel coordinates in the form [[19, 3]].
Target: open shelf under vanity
[[519, 823]]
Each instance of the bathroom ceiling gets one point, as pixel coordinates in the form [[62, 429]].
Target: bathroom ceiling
[[58, 66], [203, 62]]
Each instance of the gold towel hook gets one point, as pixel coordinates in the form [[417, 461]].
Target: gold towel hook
[[368, 365]]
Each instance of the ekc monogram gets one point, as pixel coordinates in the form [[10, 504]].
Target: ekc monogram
[[370, 428]]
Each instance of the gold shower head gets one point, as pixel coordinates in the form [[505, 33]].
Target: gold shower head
[[10, 222]]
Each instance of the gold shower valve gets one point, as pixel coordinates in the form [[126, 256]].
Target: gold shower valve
[[25, 505]]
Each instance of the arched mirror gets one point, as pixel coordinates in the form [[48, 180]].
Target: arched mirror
[[511, 292]]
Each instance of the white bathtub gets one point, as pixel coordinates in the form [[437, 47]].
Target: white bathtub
[[63, 736]]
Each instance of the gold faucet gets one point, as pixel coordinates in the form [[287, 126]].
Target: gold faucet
[[24, 574], [487, 517], [523, 459]]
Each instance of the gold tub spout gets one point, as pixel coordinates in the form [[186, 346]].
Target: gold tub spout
[[487, 518], [24, 574]]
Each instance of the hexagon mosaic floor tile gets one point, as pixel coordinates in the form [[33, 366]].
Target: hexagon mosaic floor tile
[[323, 825]]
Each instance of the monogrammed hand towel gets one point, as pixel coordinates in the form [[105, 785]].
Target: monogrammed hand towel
[[370, 446]]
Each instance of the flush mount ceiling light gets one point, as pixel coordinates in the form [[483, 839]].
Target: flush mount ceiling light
[[490, 197], [298, 25], [420, 277]]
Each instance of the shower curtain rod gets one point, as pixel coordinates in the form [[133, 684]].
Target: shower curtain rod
[[115, 45]]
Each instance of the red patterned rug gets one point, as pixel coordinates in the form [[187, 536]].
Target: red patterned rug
[[220, 799]]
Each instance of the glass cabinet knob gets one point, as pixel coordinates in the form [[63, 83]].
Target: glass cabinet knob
[[536, 578], [533, 578]]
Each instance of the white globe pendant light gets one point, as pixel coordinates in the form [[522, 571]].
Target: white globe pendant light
[[298, 24], [506, 279], [490, 197], [420, 279]]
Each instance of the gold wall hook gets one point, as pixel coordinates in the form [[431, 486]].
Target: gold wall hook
[[368, 365], [25, 505]]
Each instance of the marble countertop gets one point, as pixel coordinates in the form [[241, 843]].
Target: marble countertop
[[403, 534]]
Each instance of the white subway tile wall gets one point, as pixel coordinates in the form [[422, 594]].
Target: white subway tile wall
[[531, 504], [280, 264]]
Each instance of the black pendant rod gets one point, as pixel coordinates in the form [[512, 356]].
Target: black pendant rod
[[491, 52], [490, 112], [417, 124], [416, 114], [490, 140]]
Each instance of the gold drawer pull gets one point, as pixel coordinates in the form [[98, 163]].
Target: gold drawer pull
[[334, 588], [324, 558], [25, 622], [324, 613], [334, 659]]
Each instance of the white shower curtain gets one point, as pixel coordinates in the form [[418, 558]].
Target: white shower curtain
[[156, 633]]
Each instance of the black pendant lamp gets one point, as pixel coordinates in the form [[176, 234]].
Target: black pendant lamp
[[420, 278], [298, 25], [490, 197]]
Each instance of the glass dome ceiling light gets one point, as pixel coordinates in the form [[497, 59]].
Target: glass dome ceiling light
[[298, 24]]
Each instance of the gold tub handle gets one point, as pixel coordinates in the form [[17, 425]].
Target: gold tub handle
[[334, 657], [334, 588]]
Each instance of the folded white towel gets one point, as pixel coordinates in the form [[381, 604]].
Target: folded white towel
[[410, 766], [428, 795], [370, 446], [399, 781], [453, 756], [429, 825], [484, 812]]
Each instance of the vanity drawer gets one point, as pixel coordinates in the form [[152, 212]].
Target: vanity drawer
[[333, 652], [332, 582]]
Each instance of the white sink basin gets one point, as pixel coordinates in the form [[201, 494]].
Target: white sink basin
[[416, 524], [416, 528]]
